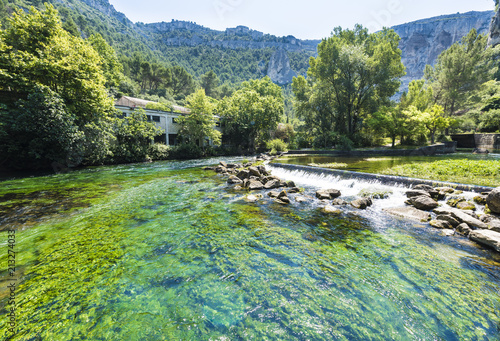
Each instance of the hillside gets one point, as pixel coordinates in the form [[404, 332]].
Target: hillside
[[240, 53]]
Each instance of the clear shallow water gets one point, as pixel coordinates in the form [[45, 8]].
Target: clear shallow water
[[376, 164], [167, 252]]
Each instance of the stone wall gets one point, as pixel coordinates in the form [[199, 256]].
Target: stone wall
[[489, 142]]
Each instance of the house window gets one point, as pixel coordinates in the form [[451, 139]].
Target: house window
[[174, 120], [149, 118], [156, 118]]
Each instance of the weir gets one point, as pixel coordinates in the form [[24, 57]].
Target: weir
[[382, 179]]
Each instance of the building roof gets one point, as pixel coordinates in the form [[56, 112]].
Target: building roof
[[132, 102]]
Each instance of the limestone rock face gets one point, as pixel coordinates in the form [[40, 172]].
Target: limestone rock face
[[279, 69], [494, 35], [422, 41]]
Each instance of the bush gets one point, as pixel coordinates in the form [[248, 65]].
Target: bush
[[344, 143], [186, 151], [276, 146], [159, 151]]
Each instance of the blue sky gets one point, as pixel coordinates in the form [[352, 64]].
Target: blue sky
[[312, 19]]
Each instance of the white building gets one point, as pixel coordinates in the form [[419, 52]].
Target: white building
[[166, 121]]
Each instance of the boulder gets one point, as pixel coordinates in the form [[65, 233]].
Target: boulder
[[448, 218], [492, 222], [294, 190], [286, 200], [448, 233], [440, 224], [448, 190], [429, 189], [262, 170], [339, 202], [416, 193], [493, 200], [362, 203], [290, 184], [466, 206], [254, 171], [461, 216], [272, 184], [255, 185], [480, 199], [424, 202], [253, 197], [409, 213], [273, 194], [328, 194], [282, 194], [328, 209], [234, 180], [464, 229], [454, 201], [300, 199], [486, 237], [223, 164], [221, 169], [281, 201], [243, 174]]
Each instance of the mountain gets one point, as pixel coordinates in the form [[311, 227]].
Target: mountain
[[240, 53], [422, 41]]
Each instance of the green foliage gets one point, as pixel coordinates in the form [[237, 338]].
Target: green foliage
[[160, 106], [485, 113], [39, 131], [134, 136], [476, 172], [252, 112], [354, 74], [210, 82], [276, 146], [200, 123], [185, 151], [159, 151]]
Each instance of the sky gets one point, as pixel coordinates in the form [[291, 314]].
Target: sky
[[312, 19]]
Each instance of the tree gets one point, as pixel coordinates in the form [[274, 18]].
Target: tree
[[200, 123], [109, 61], [181, 83], [252, 112], [37, 52], [434, 120], [210, 82], [460, 70], [354, 74]]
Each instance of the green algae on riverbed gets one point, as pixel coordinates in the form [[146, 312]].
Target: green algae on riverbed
[[159, 252]]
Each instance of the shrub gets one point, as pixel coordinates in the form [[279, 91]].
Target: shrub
[[276, 146], [186, 151], [159, 151]]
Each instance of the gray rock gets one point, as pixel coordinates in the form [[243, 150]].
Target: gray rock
[[429, 189], [328, 194], [448, 233], [281, 201], [486, 237], [290, 184], [300, 198], [339, 202], [223, 164], [423, 202], [409, 212], [254, 171], [253, 197], [464, 229], [279, 69], [448, 218], [493, 200], [362, 203], [272, 184], [282, 194], [447, 190], [466, 206], [416, 193], [461, 216], [480, 199], [262, 170], [243, 174], [255, 185], [234, 180], [440, 224], [328, 209], [294, 190], [273, 194]]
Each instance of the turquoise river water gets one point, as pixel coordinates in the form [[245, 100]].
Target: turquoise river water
[[166, 251]]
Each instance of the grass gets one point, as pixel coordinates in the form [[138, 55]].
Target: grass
[[474, 172]]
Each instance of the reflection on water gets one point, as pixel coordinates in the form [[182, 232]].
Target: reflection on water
[[162, 252]]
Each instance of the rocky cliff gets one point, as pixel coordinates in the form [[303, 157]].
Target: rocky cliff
[[494, 36], [422, 41], [279, 69]]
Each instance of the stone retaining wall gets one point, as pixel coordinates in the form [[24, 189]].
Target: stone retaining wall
[[482, 141]]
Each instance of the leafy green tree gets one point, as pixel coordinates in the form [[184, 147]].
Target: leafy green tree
[[210, 82], [485, 113], [182, 83], [252, 112], [460, 70], [134, 136], [109, 61], [434, 120], [354, 74], [200, 123]]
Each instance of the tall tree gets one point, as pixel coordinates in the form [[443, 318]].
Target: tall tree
[[354, 74], [252, 112], [210, 82], [200, 123]]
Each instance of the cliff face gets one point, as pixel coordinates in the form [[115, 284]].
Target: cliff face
[[279, 69], [422, 41], [494, 36]]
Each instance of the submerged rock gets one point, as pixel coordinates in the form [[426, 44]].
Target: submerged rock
[[409, 213], [486, 237], [253, 197], [328, 209], [374, 193], [454, 201], [466, 206], [493, 200], [300, 199]]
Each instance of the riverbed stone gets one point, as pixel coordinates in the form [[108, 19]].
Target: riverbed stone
[[233, 179], [448, 190], [429, 189], [339, 202], [325, 194], [243, 174], [447, 217], [480, 199], [362, 203], [416, 193], [461, 216], [464, 229], [254, 171], [253, 197], [447, 233], [281, 201], [262, 170], [272, 184], [493, 200], [300, 199], [424, 202], [294, 190], [329, 209], [486, 237], [440, 224], [409, 212], [466, 206], [454, 201], [290, 184], [273, 194], [255, 185], [223, 164]]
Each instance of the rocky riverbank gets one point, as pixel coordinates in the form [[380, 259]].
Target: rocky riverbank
[[442, 207]]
